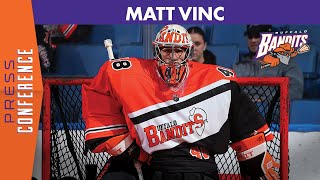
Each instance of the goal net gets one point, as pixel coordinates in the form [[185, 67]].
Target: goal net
[[63, 128]]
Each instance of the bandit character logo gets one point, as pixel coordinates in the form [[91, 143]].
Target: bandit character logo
[[198, 116], [280, 48]]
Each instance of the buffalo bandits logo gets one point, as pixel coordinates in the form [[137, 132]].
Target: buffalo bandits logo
[[281, 48], [172, 130]]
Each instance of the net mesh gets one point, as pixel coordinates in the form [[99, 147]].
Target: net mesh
[[67, 152], [268, 104], [68, 157]]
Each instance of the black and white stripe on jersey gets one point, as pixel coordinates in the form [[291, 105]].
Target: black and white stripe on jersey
[[106, 128], [267, 132], [178, 106]]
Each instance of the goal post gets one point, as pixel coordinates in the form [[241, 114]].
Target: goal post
[[283, 84], [64, 154]]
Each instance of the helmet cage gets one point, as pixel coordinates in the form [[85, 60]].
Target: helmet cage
[[173, 71], [159, 46], [172, 40]]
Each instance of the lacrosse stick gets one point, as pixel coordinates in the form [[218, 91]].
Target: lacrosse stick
[[108, 46], [104, 169], [303, 49]]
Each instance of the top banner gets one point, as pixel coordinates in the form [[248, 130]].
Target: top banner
[[169, 11]]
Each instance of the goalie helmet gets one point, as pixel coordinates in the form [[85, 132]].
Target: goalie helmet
[[172, 49]]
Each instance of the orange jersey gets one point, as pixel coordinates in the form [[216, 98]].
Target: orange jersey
[[128, 101]]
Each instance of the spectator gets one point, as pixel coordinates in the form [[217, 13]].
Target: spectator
[[249, 67], [253, 39], [45, 51], [200, 54], [49, 36]]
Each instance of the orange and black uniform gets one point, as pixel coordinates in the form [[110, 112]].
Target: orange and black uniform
[[182, 128]]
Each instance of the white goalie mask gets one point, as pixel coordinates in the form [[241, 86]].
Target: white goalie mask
[[172, 49]]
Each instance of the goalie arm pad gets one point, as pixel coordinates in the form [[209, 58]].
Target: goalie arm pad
[[105, 125], [254, 159]]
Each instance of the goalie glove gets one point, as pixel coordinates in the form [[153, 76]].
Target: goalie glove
[[254, 159]]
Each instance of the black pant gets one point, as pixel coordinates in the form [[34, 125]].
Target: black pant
[[122, 175], [183, 176], [123, 169]]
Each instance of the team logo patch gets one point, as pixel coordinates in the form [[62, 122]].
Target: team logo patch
[[158, 134], [278, 48]]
